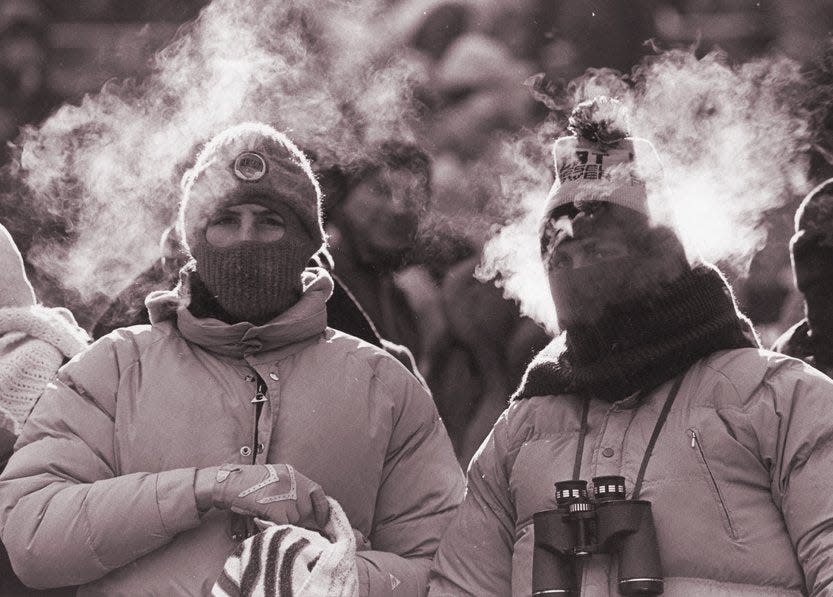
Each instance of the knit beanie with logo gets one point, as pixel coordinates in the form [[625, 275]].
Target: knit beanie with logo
[[251, 163], [634, 311]]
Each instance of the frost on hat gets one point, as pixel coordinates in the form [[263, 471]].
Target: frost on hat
[[250, 163], [601, 162]]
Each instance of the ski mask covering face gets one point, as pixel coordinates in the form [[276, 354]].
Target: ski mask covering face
[[251, 220], [599, 244], [604, 255], [258, 274]]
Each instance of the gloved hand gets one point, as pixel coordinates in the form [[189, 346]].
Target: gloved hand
[[275, 492]]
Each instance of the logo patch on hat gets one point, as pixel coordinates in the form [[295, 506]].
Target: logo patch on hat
[[250, 166]]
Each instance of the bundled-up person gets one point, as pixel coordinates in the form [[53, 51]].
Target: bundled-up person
[[714, 455], [237, 403], [34, 342], [811, 249]]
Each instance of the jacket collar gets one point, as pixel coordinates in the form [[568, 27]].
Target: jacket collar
[[305, 319]]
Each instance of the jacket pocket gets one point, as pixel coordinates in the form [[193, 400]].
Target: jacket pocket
[[694, 434]]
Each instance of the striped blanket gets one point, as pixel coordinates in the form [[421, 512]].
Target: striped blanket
[[290, 561]]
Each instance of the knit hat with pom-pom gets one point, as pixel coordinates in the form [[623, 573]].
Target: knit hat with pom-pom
[[601, 162]]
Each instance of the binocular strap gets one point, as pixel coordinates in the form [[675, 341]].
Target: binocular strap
[[663, 415]]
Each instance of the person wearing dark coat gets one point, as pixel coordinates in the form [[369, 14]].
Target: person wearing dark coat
[[811, 250]]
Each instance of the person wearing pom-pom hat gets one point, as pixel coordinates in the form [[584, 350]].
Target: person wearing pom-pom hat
[[163, 447], [657, 395]]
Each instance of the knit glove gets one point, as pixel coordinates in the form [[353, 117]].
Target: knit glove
[[274, 492]]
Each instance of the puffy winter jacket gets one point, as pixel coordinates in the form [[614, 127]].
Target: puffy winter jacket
[[740, 480], [100, 490]]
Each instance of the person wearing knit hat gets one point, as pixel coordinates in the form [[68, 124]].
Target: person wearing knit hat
[[655, 379], [236, 404], [811, 250], [250, 182], [34, 342]]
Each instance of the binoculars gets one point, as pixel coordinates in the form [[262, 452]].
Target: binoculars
[[579, 527]]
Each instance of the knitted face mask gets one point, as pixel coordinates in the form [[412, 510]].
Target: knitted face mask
[[254, 281], [581, 294]]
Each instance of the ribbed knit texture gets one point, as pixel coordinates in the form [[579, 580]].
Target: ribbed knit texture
[[34, 341], [290, 561], [643, 342], [254, 281]]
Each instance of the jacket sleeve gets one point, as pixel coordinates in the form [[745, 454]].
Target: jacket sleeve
[[67, 515], [793, 420], [421, 487], [475, 554]]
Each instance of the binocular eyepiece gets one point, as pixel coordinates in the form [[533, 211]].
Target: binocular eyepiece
[[580, 526]]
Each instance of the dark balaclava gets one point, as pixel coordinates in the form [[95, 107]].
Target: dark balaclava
[[812, 257], [250, 281], [604, 181]]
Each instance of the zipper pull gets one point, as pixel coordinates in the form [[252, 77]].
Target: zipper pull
[[693, 437], [260, 394]]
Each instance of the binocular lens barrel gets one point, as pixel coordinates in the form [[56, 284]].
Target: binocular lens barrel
[[611, 487], [567, 492]]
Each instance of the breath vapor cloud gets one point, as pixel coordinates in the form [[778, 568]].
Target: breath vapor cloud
[[734, 144], [106, 172]]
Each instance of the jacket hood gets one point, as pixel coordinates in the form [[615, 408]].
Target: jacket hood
[[305, 319]]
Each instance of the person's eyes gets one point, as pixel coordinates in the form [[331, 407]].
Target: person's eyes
[[272, 221], [223, 220], [604, 252]]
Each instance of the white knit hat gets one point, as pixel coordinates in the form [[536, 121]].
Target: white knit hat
[[620, 173], [34, 340], [295, 561]]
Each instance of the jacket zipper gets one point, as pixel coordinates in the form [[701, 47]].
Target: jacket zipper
[[695, 443], [243, 526], [258, 401]]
